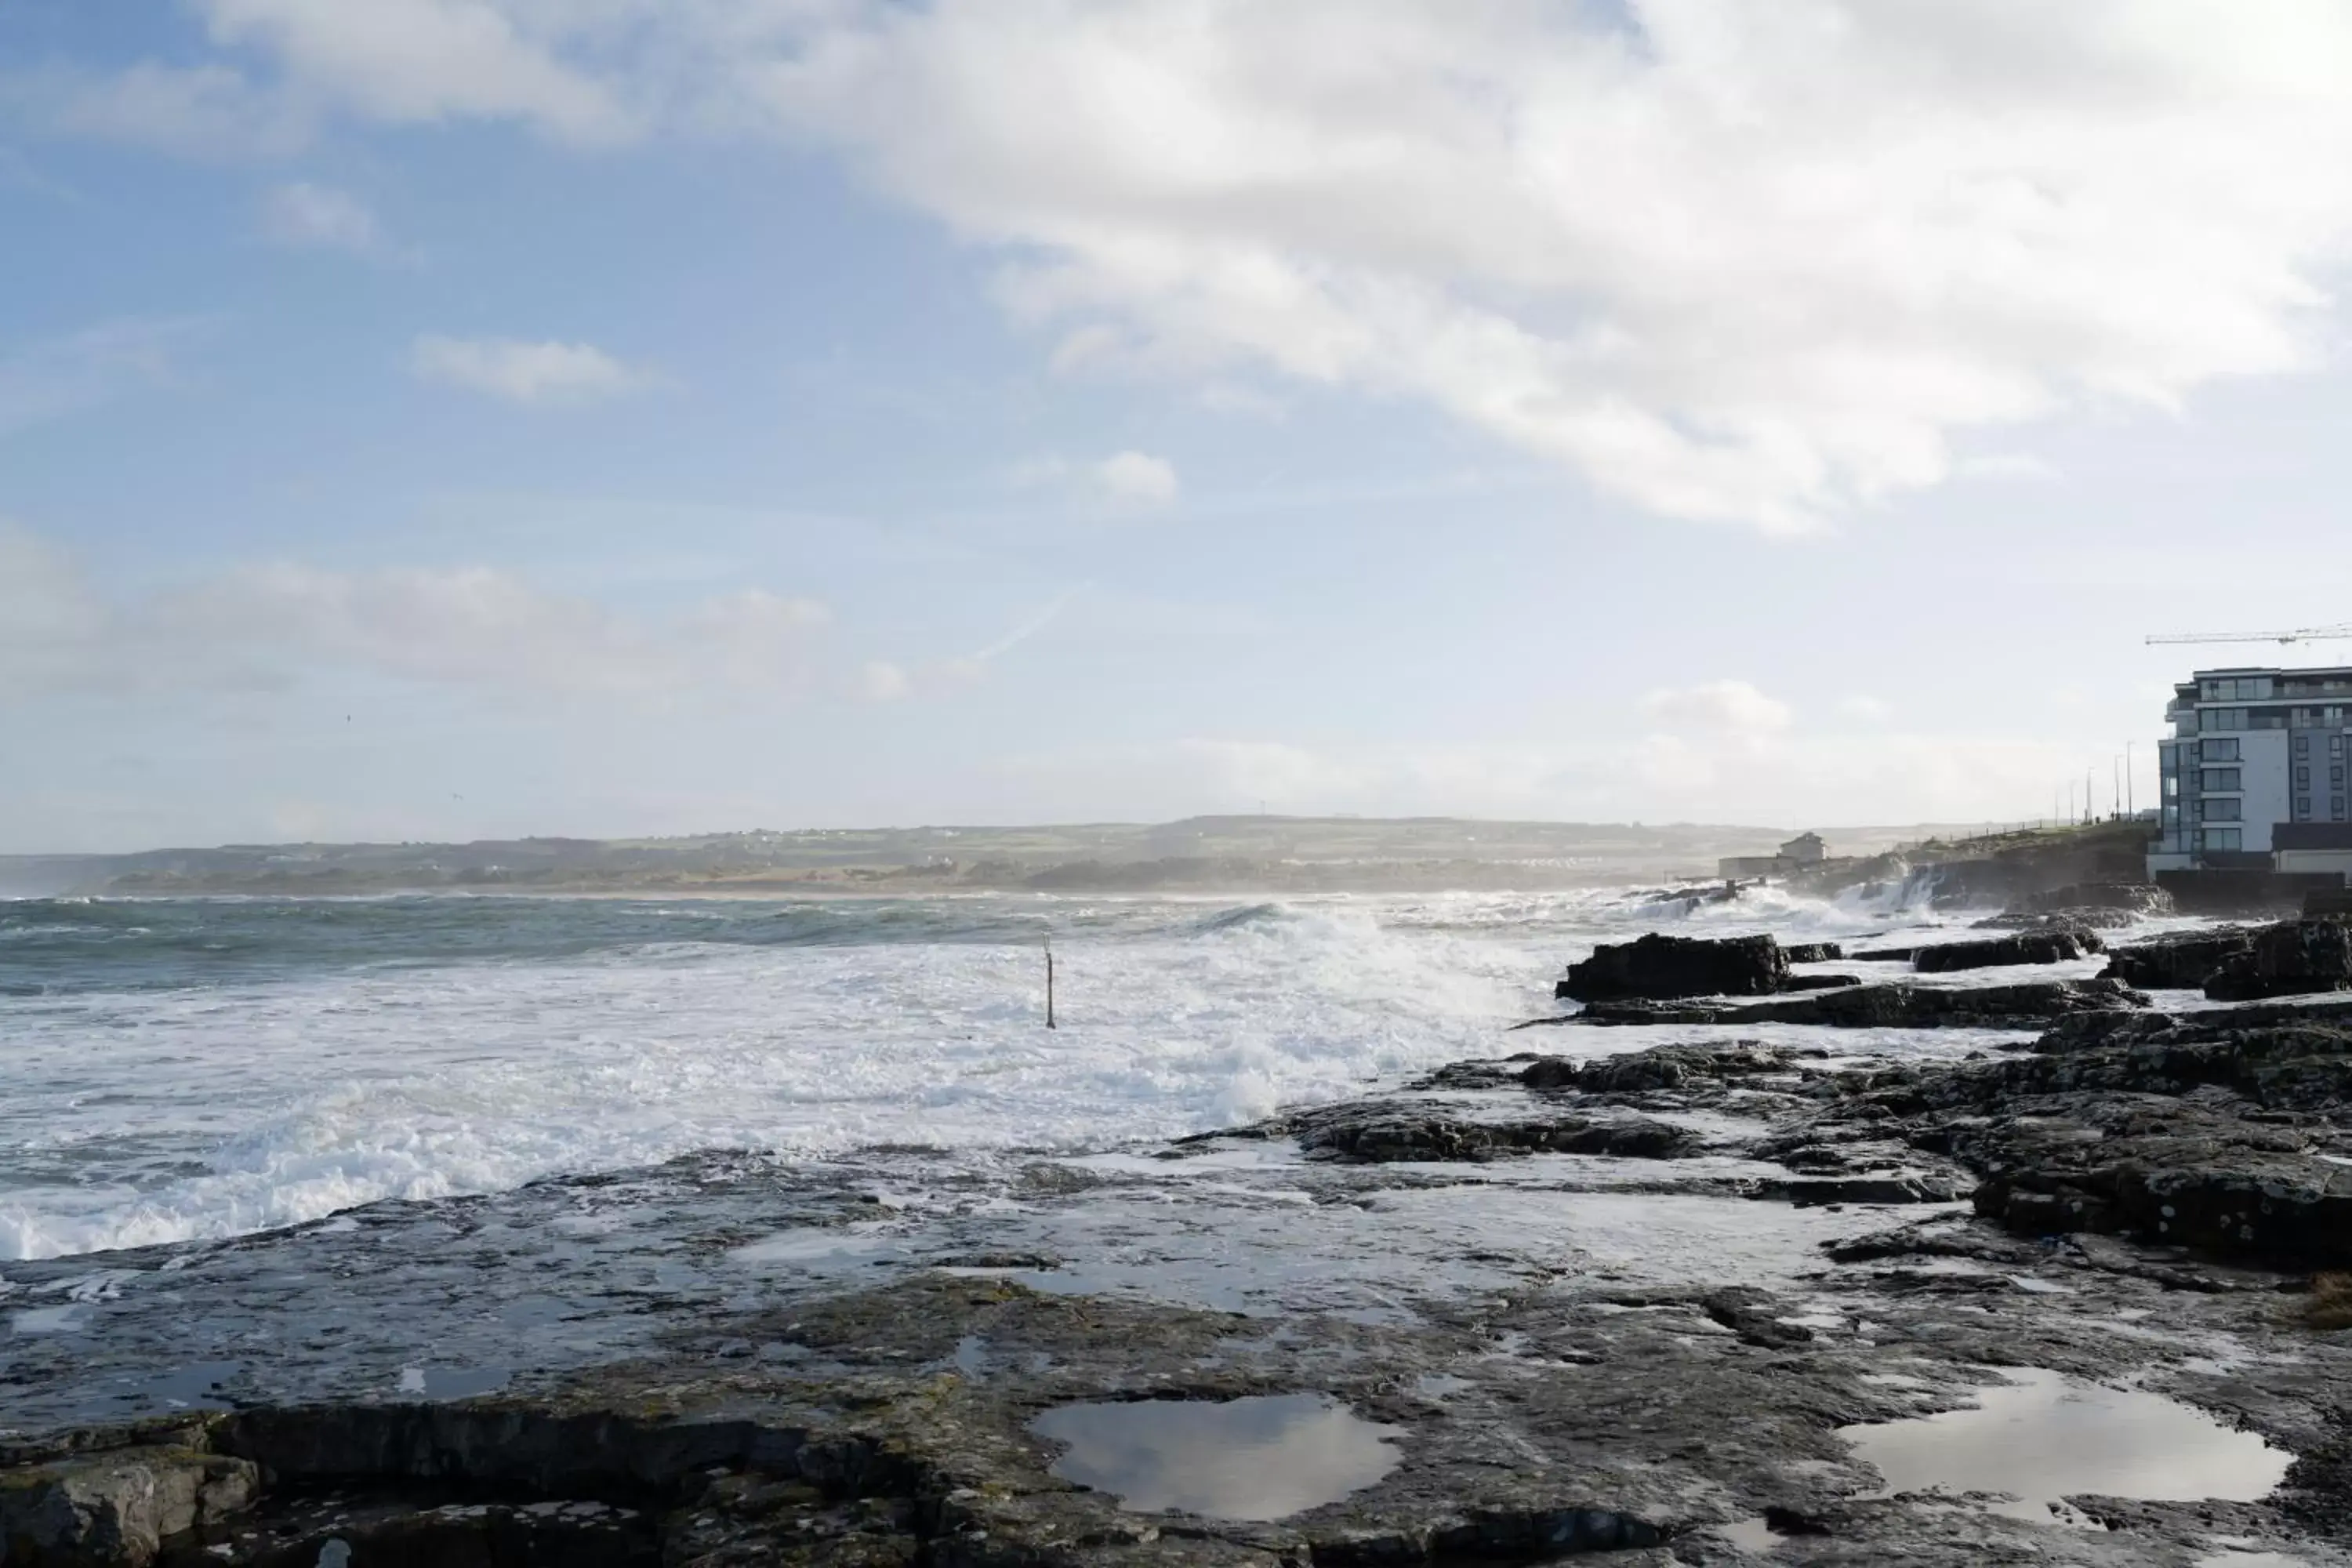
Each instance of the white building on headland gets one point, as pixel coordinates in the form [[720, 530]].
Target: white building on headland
[[1804, 849], [2253, 774]]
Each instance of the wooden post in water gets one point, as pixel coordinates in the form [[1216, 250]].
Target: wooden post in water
[[1049, 983]]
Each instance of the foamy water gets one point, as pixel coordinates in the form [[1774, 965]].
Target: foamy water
[[186, 1068]]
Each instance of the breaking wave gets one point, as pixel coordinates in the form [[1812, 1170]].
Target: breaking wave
[[203, 1067]]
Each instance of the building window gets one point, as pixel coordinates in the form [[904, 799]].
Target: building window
[[2303, 745], [2303, 778], [2303, 808], [2227, 839], [2336, 775], [2335, 807], [2223, 810], [2218, 751], [2335, 746], [2223, 779]]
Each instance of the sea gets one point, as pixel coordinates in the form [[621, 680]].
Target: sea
[[198, 1068]]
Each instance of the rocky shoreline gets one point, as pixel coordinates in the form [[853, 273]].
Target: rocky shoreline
[[1680, 1303]]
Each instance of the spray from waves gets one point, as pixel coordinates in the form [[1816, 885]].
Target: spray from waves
[[1611, 914], [1775, 907], [1243, 915], [152, 1116]]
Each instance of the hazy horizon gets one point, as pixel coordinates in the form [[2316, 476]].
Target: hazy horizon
[[461, 419]]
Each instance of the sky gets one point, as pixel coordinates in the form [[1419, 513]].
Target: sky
[[461, 418]]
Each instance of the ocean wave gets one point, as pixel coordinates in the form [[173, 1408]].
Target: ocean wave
[[200, 1068], [208, 1110]]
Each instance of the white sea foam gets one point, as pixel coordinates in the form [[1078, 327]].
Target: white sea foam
[[296, 1097], [141, 1112]]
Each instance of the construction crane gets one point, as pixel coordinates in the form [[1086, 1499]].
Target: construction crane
[[2301, 634]]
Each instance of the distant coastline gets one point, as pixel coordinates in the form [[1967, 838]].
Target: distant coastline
[[1204, 857]]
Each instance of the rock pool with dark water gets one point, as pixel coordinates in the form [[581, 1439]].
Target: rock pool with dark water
[[1262, 1456], [2039, 1438]]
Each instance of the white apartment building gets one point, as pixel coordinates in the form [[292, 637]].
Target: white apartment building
[[2253, 772]]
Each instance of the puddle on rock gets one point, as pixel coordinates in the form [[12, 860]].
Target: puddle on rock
[[196, 1386], [68, 1318], [1263, 1457], [2042, 1437], [807, 1244], [1750, 1534], [453, 1382]]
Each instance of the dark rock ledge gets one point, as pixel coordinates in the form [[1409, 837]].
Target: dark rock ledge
[[1659, 968], [1566, 1364], [2028, 1006]]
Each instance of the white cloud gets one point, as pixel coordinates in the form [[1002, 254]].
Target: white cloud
[[49, 620], [207, 111], [1757, 263], [1197, 774], [1865, 709], [1785, 780], [1137, 478], [1717, 707], [320, 217], [1246, 401], [427, 61], [60, 375], [270, 626], [2014, 467], [881, 682], [1767, 264], [525, 371], [1127, 481], [754, 639]]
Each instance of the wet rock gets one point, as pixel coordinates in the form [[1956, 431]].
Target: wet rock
[[301, 1532], [2190, 1180], [2291, 958], [2327, 904], [1883, 954], [2188, 1131], [116, 1509], [1756, 1317], [1812, 953], [2179, 961], [2130, 897], [1887, 1188], [1378, 1133], [1820, 982], [1668, 966], [2096, 1031], [1659, 1067], [2059, 919], [2026, 947], [2026, 1005]]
